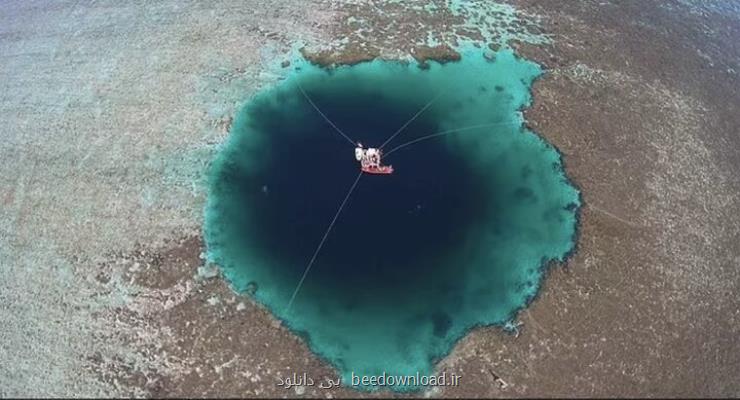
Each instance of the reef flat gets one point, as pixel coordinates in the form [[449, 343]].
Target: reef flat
[[113, 113]]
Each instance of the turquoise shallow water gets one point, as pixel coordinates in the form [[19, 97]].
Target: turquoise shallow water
[[457, 237]]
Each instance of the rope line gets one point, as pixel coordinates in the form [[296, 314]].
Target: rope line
[[321, 244], [412, 119], [324, 115], [467, 128]]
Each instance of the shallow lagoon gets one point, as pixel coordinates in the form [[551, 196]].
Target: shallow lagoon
[[457, 237]]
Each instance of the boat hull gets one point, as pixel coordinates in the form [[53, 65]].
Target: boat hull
[[384, 170]]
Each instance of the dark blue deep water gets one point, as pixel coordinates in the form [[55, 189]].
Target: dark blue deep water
[[457, 237]]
